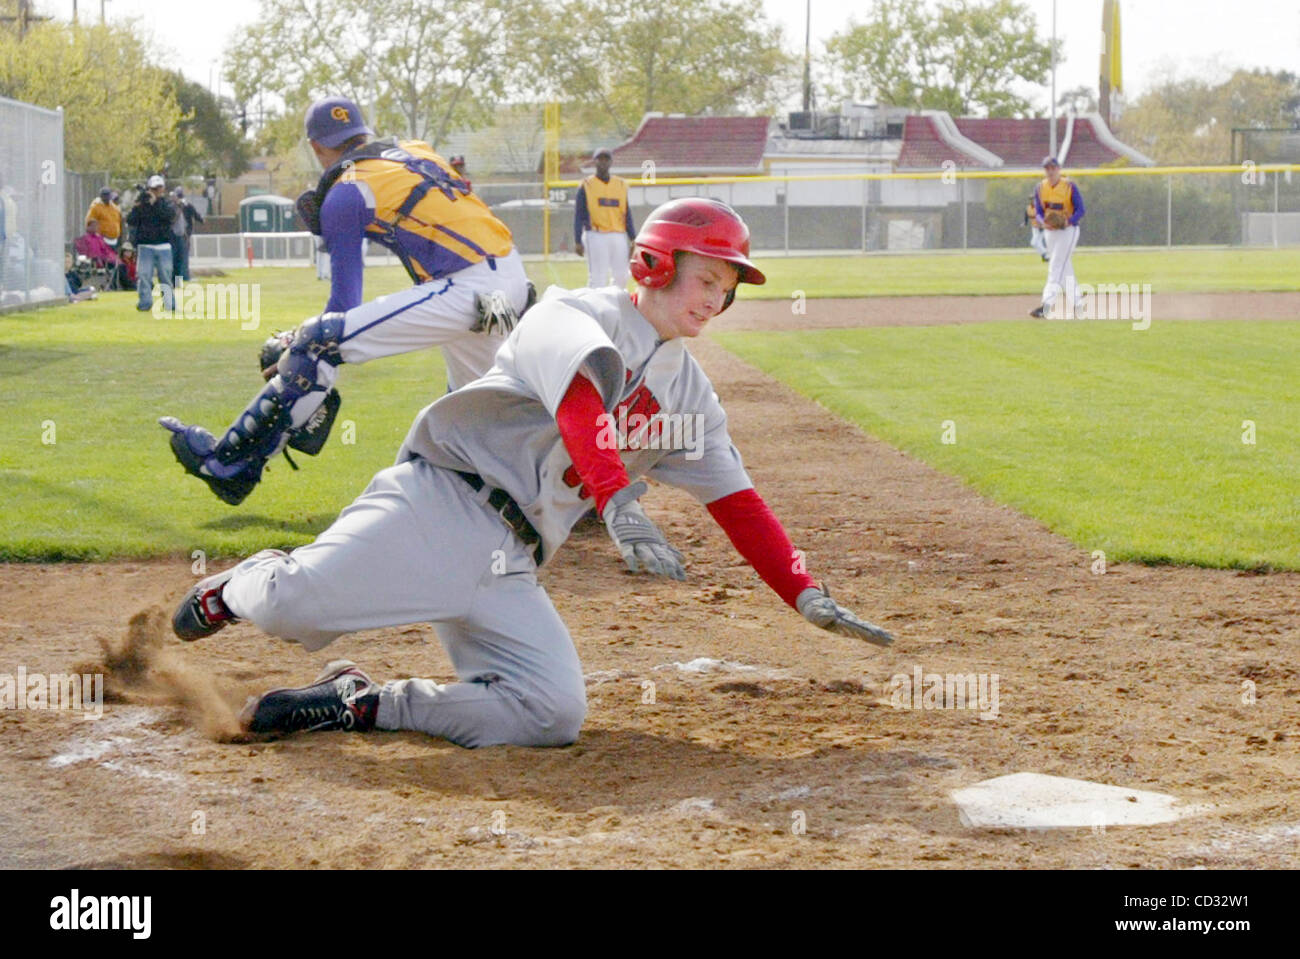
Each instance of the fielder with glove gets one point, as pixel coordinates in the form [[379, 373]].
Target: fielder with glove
[[470, 290], [1059, 206], [489, 483]]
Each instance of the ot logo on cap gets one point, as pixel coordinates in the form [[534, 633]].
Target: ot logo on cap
[[340, 114]]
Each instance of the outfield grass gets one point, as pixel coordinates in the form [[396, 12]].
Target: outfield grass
[[85, 472], [1179, 271], [100, 374], [1127, 442]]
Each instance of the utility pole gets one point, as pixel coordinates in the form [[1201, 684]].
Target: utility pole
[[807, 59], [24, 18], [1052, 150]]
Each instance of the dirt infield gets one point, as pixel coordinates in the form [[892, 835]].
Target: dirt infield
[[768, 743]]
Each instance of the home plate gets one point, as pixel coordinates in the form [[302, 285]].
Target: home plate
[[1035, 801]]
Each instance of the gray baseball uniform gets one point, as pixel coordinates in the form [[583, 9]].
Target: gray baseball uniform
[[421, 544]]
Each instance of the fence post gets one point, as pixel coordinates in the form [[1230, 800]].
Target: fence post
[[963, 214], [1169, 211], [1276, 177], [786, 204], [864, 216]]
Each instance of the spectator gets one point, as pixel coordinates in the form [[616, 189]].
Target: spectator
[[126, 267], [73, 288], [458, 164], [151, 221], [185, 217], [105, 211], [15, 255], [92, 246]]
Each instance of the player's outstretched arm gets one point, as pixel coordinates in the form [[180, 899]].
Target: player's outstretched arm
[[759, 536]]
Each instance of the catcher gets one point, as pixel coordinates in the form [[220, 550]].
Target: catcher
[[1059, 208], [487, 487], [469, 291]]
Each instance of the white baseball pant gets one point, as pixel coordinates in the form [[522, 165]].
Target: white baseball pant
[[608, 255], [1037, 241], [420, 545], [435, 313], [1060, 269]]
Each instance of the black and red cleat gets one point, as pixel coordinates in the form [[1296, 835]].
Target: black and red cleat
[[342, 697], [202, 612]]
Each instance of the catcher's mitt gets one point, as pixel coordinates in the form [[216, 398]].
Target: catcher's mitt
[[1055, 220], [270, 352]]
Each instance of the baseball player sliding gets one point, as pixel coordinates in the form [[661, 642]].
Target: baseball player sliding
[[470, 288], [1058, 206], [488, 484], [602, 224]]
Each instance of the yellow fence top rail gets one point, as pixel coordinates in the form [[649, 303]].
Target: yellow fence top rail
[[949, 175]]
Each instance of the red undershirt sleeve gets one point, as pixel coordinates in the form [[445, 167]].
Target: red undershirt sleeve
[[580, 417], [759, 536]]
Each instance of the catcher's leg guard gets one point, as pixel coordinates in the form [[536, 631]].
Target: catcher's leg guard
[[233, 466]]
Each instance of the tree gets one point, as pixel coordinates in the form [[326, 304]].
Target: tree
[[1080, 99], [119, 112], [613, 61], [417, 69], [1190, 121], [208, 139], [962, 56]]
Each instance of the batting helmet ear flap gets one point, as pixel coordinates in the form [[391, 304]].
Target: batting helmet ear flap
[[651, 268]]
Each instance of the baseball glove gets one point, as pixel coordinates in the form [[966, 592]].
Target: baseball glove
[[269, 355], [1055, 220]]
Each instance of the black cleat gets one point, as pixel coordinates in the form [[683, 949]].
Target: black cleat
[[342, 697], [203, 612], [1037, 313], [192, 446]]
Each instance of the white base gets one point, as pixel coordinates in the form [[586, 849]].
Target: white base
[[1036, 801]]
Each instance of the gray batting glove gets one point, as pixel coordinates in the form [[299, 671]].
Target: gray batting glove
[[637, 538], [816, 606]]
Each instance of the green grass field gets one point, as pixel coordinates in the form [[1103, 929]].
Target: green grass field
[[1127, 442], [1137, 451]]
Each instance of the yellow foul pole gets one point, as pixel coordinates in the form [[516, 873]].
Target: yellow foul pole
[[550, 170]]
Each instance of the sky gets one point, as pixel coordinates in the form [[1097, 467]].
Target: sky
[[1204, 37]]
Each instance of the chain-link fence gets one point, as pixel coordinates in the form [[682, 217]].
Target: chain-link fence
[[1248, 205], [80, 189], [31, 204]]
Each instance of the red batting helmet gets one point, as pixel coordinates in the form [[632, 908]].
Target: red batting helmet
[[691, 225]]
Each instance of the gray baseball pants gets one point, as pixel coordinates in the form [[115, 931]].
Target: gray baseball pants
[[420, 545]]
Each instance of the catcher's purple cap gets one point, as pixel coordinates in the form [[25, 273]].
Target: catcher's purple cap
[[332, 121], [1051, 161]]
